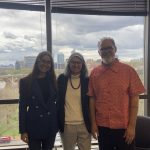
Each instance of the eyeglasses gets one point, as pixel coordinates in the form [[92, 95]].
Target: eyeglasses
[[76, 62], [47, 62], [106, 48]]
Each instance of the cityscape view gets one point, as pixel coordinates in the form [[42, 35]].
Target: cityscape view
[[21, 39]]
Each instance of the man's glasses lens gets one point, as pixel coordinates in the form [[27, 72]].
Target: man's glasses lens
[[106, 48]]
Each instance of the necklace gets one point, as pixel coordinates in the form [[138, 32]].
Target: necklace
[[73, 85]]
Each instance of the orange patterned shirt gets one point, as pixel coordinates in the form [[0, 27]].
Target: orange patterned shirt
[[112, 87]]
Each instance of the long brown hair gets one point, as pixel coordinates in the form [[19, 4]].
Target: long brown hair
[[35, 72]]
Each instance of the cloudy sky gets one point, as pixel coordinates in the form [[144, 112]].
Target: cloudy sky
[[23, 34]]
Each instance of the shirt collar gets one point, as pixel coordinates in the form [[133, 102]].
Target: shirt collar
[[113, 66]]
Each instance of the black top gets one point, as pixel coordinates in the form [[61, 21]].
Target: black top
[[37, 118], [43, 84]]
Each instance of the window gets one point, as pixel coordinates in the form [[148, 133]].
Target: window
[[81, 32], [23, 37]]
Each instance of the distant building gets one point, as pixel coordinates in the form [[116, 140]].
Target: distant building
[[60, 58], [55, 65], [19, 64], [29, 61], [98, 61], [90, 60], [10, 66], [60, 61]]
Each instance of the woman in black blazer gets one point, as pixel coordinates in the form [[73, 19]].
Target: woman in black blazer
[[37, 105], [74, 120]]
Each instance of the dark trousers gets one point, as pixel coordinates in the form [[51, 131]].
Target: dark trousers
[[112, 139], [41, 144]]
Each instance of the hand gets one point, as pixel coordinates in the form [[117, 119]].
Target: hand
[[129, 134], [24, 137], [94, 131]]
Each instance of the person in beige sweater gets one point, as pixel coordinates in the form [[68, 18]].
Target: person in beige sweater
[[74, 121]]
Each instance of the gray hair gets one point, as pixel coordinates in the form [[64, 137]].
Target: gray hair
[[106, 38], [84, 71]]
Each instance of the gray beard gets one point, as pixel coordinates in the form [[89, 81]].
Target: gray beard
[[108, 60]]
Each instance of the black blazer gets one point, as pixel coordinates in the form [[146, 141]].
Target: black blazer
[[37, 118], [62, 87]]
